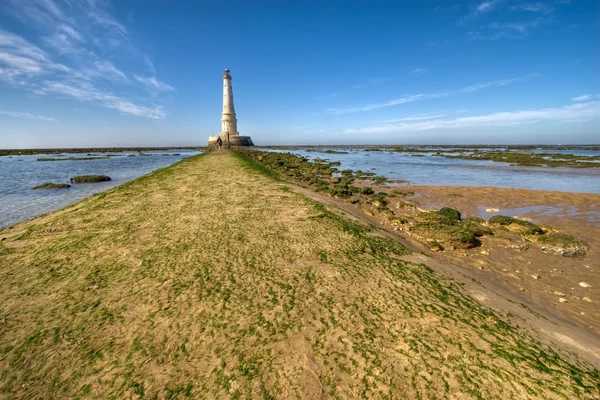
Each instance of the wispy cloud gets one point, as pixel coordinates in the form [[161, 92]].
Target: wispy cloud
[[534, 7], [26, 115], [419, 71], [424, 96], [154, 83], [487, 6], [585, 97], [516, 30], [77, 44], [565, 114], [86, 92]]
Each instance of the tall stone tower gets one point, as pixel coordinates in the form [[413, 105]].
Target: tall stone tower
[[229, 132]]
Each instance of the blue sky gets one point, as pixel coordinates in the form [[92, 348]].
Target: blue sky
[[81, 73]]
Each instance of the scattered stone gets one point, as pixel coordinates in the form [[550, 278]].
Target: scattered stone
[[90, 179], [522, 289], [535, 276], [584, 284], [560, 294], [520, 247], [491, 209], [50, 185], [587, 299], [563, 300], [485, 252]]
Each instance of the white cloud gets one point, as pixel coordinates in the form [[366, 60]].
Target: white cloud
[[422, 96], [585, 97], [419, 70], [26, 115], [154, 83], [569, 113], [81, 41]]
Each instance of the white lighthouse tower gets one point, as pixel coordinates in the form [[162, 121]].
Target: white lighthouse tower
[[229, 132]]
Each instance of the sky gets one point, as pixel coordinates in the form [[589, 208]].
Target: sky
[[99, 73]]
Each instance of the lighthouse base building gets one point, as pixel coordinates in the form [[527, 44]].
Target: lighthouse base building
[[229, 133]]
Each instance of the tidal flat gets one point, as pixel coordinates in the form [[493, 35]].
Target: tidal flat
[[182, 283], [539, 168]]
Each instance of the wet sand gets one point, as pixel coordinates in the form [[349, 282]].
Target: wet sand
[[577, 214]]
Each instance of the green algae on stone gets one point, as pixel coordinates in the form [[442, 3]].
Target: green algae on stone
[[90, 179], [563, 245], [516, 224], [50, 185]]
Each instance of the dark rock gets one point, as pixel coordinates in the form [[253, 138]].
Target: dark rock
[[90, 179], [50, 185]]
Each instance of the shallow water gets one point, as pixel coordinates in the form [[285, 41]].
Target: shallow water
[[592, 216], [19, 174], [439, 171]]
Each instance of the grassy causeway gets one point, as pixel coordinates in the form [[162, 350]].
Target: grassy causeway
[[212, 278]]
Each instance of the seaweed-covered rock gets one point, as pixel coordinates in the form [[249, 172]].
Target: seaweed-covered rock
[[367, 190], [446, 229], [50, 185], [450, 212], [90, 179], [515, 224], [563, 245], [475, 225]]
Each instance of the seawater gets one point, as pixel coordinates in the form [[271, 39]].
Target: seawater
[[435, 170], [19, 174]]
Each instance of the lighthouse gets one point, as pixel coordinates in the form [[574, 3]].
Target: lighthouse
[[229, 133]]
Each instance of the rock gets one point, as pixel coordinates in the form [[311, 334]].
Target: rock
[[535, 276], [563, 300], [434, 245], [484, 252], [584, 284], [560, 294], [563, 245], [522, 289], [450, 212], [50, 185], [90, 179], [491, 209], [587, 299]]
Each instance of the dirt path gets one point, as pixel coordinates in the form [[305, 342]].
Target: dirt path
[[210, 279]]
